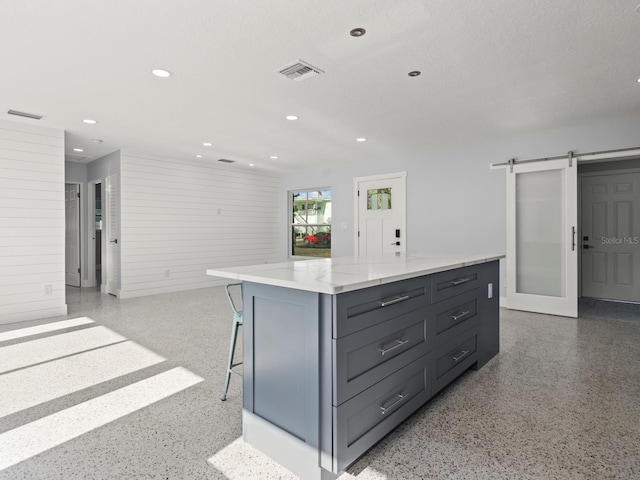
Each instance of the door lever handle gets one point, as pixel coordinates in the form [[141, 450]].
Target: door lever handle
[[395, 243], [114, 241]]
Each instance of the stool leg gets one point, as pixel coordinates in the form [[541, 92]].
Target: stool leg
[[232, 349]]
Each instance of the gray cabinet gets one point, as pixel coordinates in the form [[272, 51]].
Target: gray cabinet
[[328, 376], [364, 419]]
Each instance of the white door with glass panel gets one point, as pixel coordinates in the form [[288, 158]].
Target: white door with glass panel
[[381, 218], [610, 236], [542, 238]]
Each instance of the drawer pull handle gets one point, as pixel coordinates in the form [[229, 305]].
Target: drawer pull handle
[[460, 356], [460, 281], [398, 299], [399, 343], [401, 397], [457, 317]]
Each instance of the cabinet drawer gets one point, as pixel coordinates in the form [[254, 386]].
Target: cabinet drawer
[[361, 309], [453, 358], [454, 282], [366, 357], [455, 315], [362, 421]]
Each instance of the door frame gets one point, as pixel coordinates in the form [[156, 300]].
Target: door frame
[[595, 174], [402, 176], [107, 254]]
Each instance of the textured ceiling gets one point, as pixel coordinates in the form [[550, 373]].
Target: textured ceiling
[[490, 68]]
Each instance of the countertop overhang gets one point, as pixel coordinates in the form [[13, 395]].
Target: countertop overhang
[[345, 274]]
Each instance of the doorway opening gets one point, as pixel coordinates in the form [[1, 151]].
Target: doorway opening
[[568, 236], [97, 237], [95, 243], [609, 225]]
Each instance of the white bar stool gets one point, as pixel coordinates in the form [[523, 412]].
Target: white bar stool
[[237, 321]]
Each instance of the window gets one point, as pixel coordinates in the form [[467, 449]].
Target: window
[[310, 228], [379, 199]]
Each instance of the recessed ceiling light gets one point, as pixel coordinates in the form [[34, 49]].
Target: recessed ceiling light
[[638, 80], [198, 156], [78, 150], [207, 144], [291, 117], [273, 157], [357, 32], [361, 139], [89, 121], [415, 73], [96, 140], [159, 72], [251, 164]]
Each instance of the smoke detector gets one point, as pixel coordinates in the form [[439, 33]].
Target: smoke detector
[[300, 71]]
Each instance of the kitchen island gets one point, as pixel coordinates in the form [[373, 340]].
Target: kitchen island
[[338, 352]]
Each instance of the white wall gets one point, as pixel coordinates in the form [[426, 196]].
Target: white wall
[[455, 203], [32, 222], [180, 217], [102, 167]]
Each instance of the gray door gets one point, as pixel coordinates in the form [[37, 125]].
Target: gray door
[[610, 227], [72, 234]]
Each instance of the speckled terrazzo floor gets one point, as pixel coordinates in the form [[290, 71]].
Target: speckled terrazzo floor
[[561, 400]]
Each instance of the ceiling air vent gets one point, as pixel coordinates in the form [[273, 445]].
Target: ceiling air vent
[[300, 71], [75, 158], [24, 114], [224, 160]]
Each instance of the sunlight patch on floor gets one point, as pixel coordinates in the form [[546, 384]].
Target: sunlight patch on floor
[[47, 327], [241, 460], [36, 437], [32, 386], [45, 349], [33, 372]]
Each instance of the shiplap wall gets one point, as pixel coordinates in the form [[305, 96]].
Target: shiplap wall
[[180, 217], [32, 225]]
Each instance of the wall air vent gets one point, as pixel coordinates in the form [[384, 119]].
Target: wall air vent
[[24, 114], [224, 160], [300, 71]]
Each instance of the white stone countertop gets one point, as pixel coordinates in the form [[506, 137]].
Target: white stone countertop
[[345, 274]]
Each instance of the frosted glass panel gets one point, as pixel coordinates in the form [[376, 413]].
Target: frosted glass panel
[[540, 236]]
